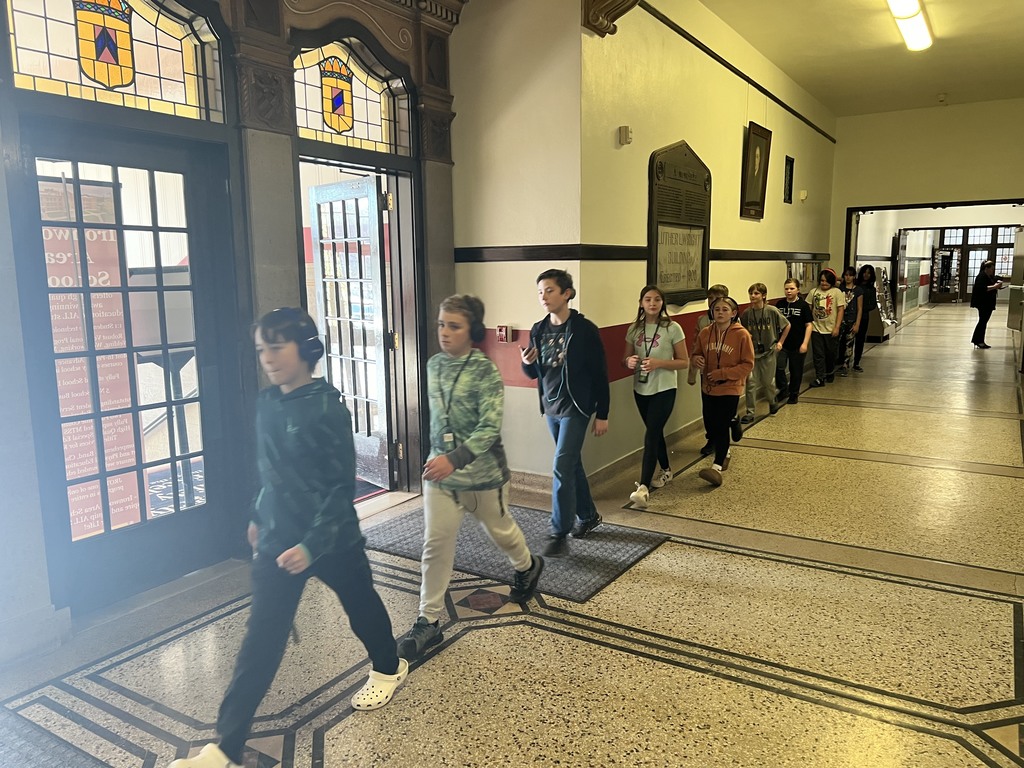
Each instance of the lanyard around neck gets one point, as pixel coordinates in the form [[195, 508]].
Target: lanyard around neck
[[451, 390], [720, 343], [643, 339]]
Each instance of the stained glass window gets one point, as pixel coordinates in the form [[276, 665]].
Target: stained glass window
[[342, 100], [139, 54]]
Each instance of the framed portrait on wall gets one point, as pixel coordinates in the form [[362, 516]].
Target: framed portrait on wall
[[754, 182]]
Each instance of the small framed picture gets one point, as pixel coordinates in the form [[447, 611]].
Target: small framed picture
[[787, 182], [755, 171]]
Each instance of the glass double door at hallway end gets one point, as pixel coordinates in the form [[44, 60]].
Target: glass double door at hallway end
[[126, 276]]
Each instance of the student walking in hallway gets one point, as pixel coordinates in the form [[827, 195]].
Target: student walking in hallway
[[466, 469], [567, 359], [655, 350], [304, 524], [724, 354]]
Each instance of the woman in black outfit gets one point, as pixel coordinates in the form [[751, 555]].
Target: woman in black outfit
[[866, 280], [983, 298]]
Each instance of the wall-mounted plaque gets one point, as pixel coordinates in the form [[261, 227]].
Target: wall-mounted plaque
[[678, 223]]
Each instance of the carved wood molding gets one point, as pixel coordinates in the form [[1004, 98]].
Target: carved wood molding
[[266, 97], [435, 134], [445, 11], [600, 15]]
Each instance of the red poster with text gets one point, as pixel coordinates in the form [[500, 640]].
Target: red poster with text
[[74, 391], [123, 500], [115, 386], [86, 507], [66, 322], [60, 249], [80, 457], [108, 321], [104, 258], [119, 441]]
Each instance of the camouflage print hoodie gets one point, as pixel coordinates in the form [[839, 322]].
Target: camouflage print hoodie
[[305, 455], [467, 401]]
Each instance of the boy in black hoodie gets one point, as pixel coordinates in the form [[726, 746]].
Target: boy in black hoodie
[[566, 357], [304, 524]]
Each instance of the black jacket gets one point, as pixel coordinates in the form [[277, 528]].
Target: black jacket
[[305, 454], [981, 296], [586, 370]]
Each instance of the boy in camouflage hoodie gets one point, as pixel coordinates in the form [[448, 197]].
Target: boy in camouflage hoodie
[[466, 469]]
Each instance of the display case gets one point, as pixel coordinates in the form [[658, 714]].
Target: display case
[[945, 276]]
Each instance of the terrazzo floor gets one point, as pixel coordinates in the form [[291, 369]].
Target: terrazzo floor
[[853, 595]]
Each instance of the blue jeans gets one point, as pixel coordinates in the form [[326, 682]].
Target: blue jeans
[[570, 491]]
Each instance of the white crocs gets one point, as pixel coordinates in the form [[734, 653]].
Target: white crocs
[[379, 688]]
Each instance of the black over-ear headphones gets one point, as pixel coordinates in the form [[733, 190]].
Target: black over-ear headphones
[[477, 331], [311, 349], [732, 303]]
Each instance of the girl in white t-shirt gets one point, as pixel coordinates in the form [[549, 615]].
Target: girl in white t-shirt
[[655, 350]]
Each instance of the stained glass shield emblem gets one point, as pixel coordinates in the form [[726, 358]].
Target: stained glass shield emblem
[[336, 87], [105, 41]]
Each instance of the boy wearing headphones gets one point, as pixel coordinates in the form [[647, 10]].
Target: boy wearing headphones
[[304, 524], [566, 357], [466, 470]]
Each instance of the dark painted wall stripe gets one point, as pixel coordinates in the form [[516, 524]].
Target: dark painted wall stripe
[[583, 252]]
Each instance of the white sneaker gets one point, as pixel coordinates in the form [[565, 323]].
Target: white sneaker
[[640, 495], [661, 478], [209, 756]]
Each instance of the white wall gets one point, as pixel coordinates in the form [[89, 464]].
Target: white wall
[[538, 102], [877, 228], [964, 152], [650, 78], [515, 75]]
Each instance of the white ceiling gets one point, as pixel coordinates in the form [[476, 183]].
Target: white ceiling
[[849, 55]]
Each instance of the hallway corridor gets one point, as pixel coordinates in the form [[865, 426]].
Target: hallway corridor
[[851, 596]]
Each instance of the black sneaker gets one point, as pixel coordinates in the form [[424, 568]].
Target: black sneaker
[[793, 399], [817, 383], [737, 429], [774, 407], [422, 635], [584, 527], [557, 547], [830, 379], [858, 369], [708, 449], [525, 582]]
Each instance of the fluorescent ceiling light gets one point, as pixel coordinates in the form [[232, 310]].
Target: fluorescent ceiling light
[[911, 22], [904, 9], [915, 32]]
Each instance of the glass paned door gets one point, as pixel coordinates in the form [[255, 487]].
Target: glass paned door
[[125, 288], [347, 232], [120, 293]]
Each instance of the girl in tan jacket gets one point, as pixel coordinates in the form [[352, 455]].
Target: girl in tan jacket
[[724, 355]]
